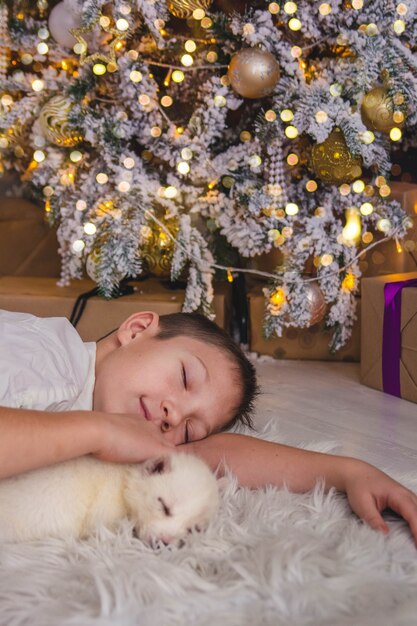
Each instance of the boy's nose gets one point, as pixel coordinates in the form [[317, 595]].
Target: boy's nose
[[171, 414]]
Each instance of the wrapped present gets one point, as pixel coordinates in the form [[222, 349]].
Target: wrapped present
[[41, 296], [389, 334], [297, 343], [28, 245]]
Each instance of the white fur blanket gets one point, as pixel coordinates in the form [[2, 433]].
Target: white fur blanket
[[270, 558]]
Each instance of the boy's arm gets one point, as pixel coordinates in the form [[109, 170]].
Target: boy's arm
[[256, 462], [31, 439]]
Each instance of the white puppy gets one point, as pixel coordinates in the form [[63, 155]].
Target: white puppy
[[165, 498]]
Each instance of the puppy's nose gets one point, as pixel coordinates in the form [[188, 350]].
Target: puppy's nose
[[167, 539]]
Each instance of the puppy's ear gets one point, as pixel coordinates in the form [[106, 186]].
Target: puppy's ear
[[157, 465]]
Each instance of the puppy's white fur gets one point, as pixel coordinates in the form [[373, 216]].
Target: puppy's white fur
[[164, 497]]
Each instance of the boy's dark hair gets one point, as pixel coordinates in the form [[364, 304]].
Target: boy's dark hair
[[199, 327]]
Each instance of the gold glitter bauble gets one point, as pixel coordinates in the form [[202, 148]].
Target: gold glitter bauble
[[377, 110], [316, 303], [53, 120], [253, 73], [185, 8], [158, 248], [332, 162]]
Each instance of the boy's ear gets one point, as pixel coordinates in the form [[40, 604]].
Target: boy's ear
[[141, 323]]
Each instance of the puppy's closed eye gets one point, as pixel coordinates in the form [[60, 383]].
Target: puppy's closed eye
[[165, 508], [160, 465]]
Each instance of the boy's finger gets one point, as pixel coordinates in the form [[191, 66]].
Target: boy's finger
[[407, 508], [372, 516]]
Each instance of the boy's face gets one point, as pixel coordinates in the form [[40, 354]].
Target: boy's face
[[186, 387]]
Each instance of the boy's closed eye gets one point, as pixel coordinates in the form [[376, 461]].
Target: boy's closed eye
[[184, 376]]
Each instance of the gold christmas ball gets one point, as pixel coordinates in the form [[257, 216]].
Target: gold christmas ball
[[316, 303], [253, 73], [332, 162], [378, 111], [157, 248], [53, 120], [185, 8]]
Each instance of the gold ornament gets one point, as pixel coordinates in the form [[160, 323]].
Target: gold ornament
[[98, 56], [378, 111], [332, 162], [316, 302], [253, 73], [53, 120], [157, 248], [185, 8]]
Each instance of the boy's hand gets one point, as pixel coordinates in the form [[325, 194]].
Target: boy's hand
[[127, 439], [370, 491]]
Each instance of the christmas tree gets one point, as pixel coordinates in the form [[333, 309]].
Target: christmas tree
[[180, 136]]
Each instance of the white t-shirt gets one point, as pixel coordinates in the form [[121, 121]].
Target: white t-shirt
[[44, 364]]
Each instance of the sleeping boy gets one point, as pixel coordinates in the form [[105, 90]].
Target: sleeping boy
[[153, 384]]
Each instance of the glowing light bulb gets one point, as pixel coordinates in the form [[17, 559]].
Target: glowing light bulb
[[349, 282], [277, 298], [187, 60], [186, 154], [102, 178], [170, 192], [78, 245], [90, 228], [129, 163], [39, 156], [38, 85], [219, 101], [294, 24], [325, 9], [321, 117], [366, 208], [290, 8], [352, 231], [395, 134], [183, 167], [291, 132], [76, 156], [286, 115], [135, 76], [122, 24], [399, 26], [177, 76], [190, 45], [384, 225], [358, 186], [99, 69], [42, 47], [291, 208]]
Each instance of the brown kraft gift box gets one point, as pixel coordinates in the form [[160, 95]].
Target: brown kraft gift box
[[297, 343], [372, 333], [42, 297], [28, 246]]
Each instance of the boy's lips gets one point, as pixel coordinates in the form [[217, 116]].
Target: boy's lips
[[145, 410]]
